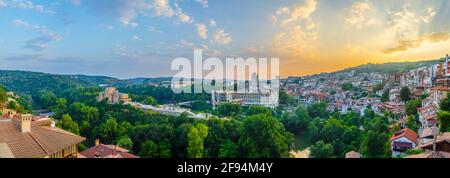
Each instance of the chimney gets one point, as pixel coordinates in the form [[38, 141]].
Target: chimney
[[97, 142], [25, 123]]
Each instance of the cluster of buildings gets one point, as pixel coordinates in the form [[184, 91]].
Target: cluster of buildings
[[253, 93], [329, 88], [434, 83], [430, 83], [112, 95]]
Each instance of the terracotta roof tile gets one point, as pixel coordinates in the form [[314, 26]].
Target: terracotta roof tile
[[40, 142], [106, 151], [408, 133]]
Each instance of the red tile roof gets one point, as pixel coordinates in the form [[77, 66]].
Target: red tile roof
[[408, 133], [40, 142], [107, 151], [441, 88]]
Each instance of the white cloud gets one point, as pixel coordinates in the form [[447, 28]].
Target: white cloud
[[45, 35], [2, 4], [299, 12], [136, 38], [21, 22], [428, 16], [406, 24], [184, 43], [221, 37], [404, 30], [76, 2], [24, 4], [127, 11], [209, 52], [134, 24], [212, 23], [296, 28], [162, 8], [204, 3], [282, 10], [182, 17], [360, 14], [202, 31], [154, 29]]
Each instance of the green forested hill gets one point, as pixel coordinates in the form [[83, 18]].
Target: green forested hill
[[391, 67], [30, 83]]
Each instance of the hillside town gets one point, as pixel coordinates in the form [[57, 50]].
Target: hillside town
[[38, 134], [382, 92]]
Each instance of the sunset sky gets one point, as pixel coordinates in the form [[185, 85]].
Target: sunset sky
[[140, 38]]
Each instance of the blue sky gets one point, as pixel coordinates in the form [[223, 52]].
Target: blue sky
[[140, 38]]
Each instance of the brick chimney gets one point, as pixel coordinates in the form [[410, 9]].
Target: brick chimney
[[25, 123], [97, 142]]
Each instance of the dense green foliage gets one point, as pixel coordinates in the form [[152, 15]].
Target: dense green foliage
[[385, 96], [321, 150], [444, 115], [162, 95], [412, 105], [263, 136], [347, 86], [405, 94], [256, 132], [444, 121]]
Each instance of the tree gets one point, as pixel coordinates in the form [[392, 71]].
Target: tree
[[229, 110], [254, 110], [13, 105], [125, 142], [60, 107], [318, 109], [150, 100], [47, 99], [108, 131], [405, 94], [374, 145], [385, 96], [347, 86], [412, 105], [149, 149], [379, 86], [68, 124], [264, 136], [3, 95], [228, 150], [321, 150], [445, 103], [444, 121], [412, 123], [196, 137], [201, 106], [286, 99], [296, 122], [165, 149], [181, 140]]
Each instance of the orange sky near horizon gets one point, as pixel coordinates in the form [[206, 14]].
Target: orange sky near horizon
[[314, 37]]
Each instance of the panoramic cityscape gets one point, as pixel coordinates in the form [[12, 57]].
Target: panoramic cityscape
[[273, 79]]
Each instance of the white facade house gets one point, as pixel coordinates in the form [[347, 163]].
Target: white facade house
[[402, 141], [256, 93]]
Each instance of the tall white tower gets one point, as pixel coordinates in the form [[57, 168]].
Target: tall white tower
[[447, 66]]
